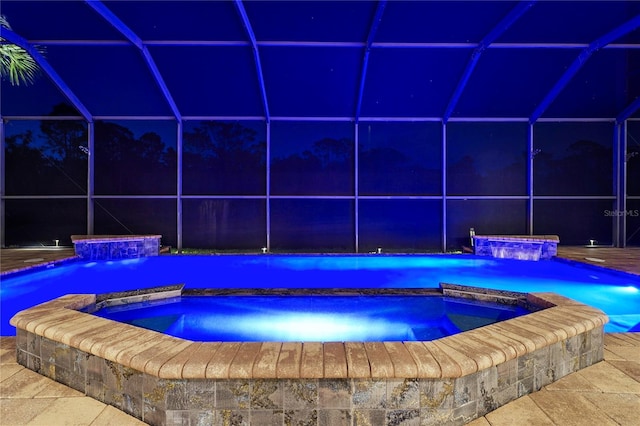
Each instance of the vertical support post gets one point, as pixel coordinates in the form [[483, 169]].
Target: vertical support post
[[444, 187], [268, 188], [530, 147], [2, 185], [179, 184], [91, 146], [619, 184], [356, 188]]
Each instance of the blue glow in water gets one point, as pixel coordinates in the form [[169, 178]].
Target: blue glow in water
[[615, 293], [310, 318]]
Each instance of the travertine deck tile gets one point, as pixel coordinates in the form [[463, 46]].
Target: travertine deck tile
[[55, 389], [609, 379], [627, 353], [289, 360], [480, 421], [111, 416], [9, 370], [521, 412], [17, 412], [622, 408], [27, 384], [357, 360], [609, 356], [623, 339], [7, 355], [573, 382], [571, 409], [77, 411]]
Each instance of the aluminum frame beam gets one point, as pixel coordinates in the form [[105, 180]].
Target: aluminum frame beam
[[515, 13], [375, 23], [577, 64], [256, 54], [14, 38], [628, 111], [121, 27], [620, 184]]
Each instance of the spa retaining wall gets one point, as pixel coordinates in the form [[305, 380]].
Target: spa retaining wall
[[168, 381]]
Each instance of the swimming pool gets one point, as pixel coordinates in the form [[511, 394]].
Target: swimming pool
[[617, 294]]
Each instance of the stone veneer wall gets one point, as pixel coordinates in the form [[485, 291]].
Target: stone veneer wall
[[114, 247], [167, 381], [522, 247]]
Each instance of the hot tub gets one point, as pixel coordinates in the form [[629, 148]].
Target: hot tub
[[162, 379]]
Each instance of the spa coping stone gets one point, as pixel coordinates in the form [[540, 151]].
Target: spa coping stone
[[165, 380], [174, 358]]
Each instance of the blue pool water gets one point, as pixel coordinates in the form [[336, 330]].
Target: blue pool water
[[311, 318], [617, 294]]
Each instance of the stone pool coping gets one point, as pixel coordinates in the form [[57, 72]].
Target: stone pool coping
[[167, 357]]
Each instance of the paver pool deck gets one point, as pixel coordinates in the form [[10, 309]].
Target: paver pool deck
[[607, 393]]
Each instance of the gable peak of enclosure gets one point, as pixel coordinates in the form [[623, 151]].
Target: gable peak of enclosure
[[321, 125], [350, 59]]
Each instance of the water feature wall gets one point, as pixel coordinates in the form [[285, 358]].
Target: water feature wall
[[114, 247], [522, 247]]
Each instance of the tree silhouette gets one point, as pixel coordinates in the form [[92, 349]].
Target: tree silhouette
[[126, 165], [326, 168], [224, 158]]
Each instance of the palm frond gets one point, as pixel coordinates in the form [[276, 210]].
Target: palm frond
[[16, 63]]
